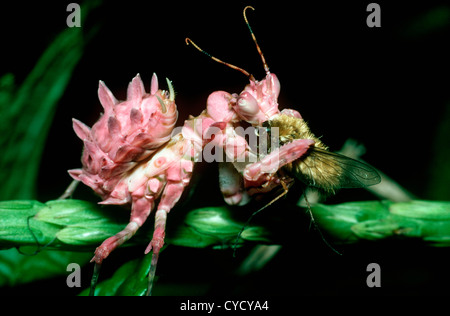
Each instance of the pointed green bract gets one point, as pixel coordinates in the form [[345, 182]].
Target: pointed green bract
[[129, 280]]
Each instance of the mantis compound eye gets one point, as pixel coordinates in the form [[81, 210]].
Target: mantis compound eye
[[247, 105]]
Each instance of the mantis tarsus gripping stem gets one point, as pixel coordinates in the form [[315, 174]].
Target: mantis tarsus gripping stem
[[151, 273], [94, 279]]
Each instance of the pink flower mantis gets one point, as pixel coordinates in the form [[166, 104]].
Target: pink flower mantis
[[134, 154]]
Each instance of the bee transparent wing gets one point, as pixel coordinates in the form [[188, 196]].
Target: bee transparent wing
[[344, 172]]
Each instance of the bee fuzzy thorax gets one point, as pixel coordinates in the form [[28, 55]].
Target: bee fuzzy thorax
[[290, 128]]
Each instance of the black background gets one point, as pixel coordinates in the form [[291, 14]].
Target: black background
[[386, 87]]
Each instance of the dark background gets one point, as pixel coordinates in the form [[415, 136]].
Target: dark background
[[385, 87]]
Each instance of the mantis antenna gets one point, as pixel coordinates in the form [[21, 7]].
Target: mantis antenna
[[266, 67], [245, 72]]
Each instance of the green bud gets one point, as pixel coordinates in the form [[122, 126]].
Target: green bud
[[20, 228], [87, 236], [82, 223], [213, 220], [338, 220], [426, 220], [80, 213], [429, 210], [214, 226], [381, 229], [256, 233]]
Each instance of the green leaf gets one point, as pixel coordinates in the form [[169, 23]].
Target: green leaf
[[16, 268], [129, 280], [27, 111]]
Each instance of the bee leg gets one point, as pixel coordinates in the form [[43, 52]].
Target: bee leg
[[270, 164]]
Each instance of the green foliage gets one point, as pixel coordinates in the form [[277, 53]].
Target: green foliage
[[17, 268], [214, 226], [436, 19], [68, 225], [27, 112], [428, 221], [26, 115], [82, 226], [129, 280]]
